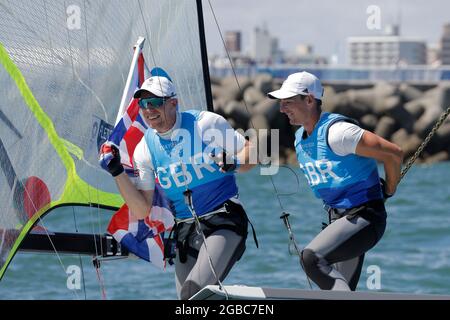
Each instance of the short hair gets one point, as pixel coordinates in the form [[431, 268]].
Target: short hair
[[318, 102]]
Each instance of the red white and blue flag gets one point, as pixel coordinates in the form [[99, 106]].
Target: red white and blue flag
[[144, 238], [130, 127]]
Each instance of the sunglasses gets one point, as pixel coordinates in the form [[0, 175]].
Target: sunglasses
[[147, 103]]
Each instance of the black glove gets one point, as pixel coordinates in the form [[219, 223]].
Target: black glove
[[110, 159], [383, 189], [225, 162]]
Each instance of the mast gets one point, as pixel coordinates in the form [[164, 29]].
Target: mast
[[204, 53]]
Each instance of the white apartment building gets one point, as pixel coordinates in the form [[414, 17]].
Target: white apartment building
[[264, 47], [392, 50]]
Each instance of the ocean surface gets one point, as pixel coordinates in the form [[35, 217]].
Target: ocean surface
[[412, 257]]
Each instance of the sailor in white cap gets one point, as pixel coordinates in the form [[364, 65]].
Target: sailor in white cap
[[339, 161], [168, 151]]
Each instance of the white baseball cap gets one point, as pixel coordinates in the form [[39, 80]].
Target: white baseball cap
[[159, 86], [303, 83]]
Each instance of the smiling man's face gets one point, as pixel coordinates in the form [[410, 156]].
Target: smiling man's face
[[161, 118]]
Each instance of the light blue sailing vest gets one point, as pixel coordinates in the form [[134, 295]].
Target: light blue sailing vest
[[341, 182], [182, 162]]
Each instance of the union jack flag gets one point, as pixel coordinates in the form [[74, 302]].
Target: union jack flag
[[144, 238], [130, 127]]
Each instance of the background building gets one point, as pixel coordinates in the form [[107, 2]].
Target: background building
[[386, 50], [434, 55], [233, 41], [304, 55], [445, 45], [264, 47]]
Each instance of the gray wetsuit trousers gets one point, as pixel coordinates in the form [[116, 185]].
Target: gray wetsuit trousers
[[224, 245], [334, 258]]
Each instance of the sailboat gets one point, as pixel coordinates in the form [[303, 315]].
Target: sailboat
[[62, 71]]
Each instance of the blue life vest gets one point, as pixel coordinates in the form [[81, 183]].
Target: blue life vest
[[340, 181], [182, 162]]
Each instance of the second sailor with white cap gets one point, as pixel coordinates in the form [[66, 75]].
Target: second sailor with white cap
[[338, 159]]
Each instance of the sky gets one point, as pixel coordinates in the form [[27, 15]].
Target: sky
[[324, 24]]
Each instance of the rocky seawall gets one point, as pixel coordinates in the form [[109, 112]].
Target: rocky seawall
[[401, 113]]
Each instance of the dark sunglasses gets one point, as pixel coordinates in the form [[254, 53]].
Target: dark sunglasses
[[146, 103]]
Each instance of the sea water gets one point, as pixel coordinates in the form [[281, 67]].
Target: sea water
[[412, 257]]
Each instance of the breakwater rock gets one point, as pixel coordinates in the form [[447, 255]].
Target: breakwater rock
[[401, 113]]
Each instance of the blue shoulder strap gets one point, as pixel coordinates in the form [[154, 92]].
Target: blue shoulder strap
[[150, 137]]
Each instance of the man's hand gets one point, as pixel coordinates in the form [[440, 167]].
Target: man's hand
[[383, 189], [225, 161], [110, 159]]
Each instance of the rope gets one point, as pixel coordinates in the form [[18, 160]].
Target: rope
[[425, 142]]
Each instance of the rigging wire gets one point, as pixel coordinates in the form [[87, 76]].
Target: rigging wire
[[94, 233], [79, 256], [100, 279], [41, 222], [198, 227], [284, 216], [96, 265], [98, 253]]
